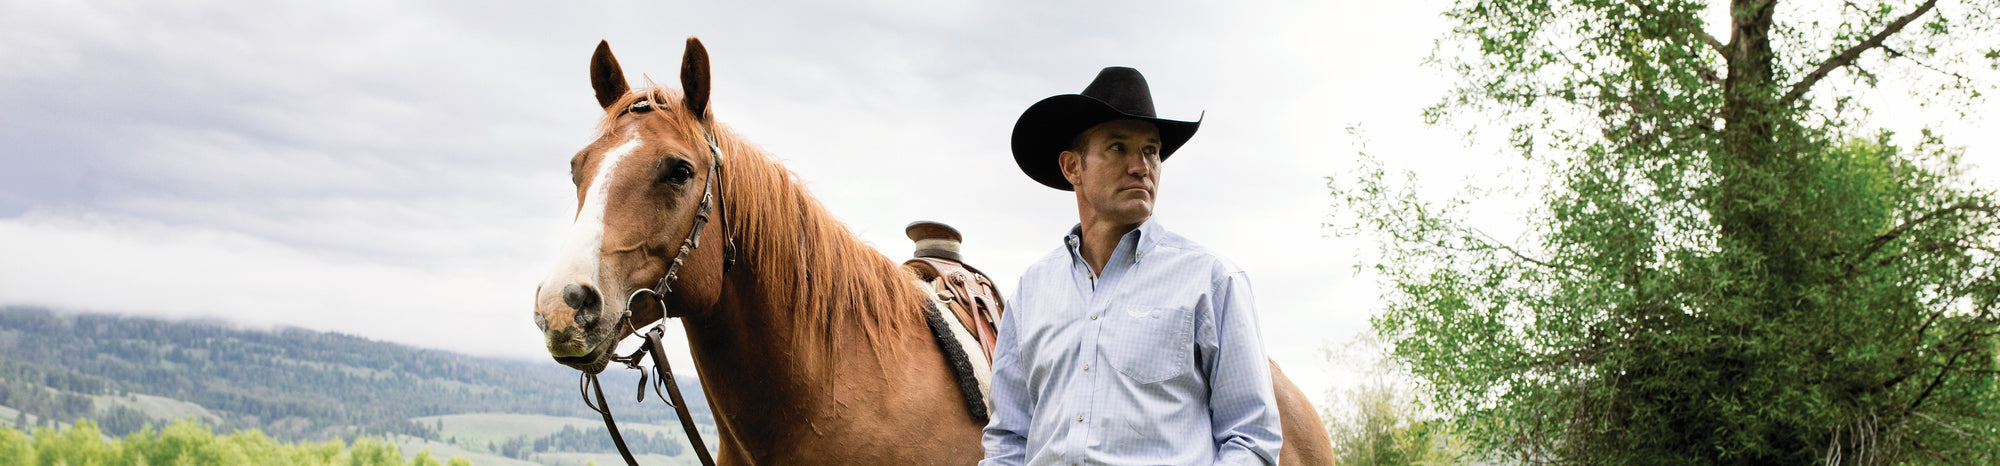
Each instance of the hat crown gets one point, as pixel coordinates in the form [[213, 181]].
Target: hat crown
[[1124, 89], [1050, 126]]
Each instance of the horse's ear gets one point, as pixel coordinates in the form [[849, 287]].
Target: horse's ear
[[606, 76], [694, 78]]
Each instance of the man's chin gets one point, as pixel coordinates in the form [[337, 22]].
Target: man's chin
[[1133, 211]]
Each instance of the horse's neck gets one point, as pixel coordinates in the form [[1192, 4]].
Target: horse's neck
[[810, 302]]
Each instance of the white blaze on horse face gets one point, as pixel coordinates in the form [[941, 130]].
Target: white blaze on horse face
[[581, 248]]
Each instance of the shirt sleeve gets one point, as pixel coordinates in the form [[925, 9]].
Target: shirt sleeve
[[1006, 432], [1243, 409]]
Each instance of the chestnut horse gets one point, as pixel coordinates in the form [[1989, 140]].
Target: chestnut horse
[[812, 347]]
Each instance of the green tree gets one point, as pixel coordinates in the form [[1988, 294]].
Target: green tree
[[253, 444], [373, 452], [323, 453], [424, 458], [120, 420], [189, 441], [1383, 421], [15, 448], [82, 443], [184, 442], [1726, 265]]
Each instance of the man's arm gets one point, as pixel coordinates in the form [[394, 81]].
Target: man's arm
[[1243, 409], [1006, 438]]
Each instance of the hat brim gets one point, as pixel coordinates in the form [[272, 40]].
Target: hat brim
[[1049, 126]]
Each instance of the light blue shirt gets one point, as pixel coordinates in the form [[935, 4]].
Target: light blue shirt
[[1157, 361]]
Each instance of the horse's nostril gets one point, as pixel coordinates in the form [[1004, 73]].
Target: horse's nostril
[[582, 299], [579, 297]]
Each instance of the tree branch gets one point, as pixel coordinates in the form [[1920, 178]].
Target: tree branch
[[1846, 57], [1517, 254], [1899, 54], [1684, 24], [1876, 244], [1691, 28], [1926, 327], [1961, 345], [1935, 381]]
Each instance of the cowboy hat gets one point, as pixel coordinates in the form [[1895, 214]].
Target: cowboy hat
[[1049, 126]]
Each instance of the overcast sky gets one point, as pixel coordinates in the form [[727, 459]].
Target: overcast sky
[[399, 170]]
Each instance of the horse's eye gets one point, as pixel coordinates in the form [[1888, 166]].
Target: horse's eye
[[679, 175], [642, 106]]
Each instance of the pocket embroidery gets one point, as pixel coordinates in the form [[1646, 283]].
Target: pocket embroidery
[[1150, 344]]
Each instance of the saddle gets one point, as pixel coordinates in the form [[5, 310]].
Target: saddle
[[968, 293], [967, 336]]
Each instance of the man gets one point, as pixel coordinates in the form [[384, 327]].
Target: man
[[1130, 344]]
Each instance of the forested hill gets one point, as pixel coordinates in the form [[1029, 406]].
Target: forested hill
[[293, 384]]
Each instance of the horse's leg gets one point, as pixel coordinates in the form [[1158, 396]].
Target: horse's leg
[[1306, 440]]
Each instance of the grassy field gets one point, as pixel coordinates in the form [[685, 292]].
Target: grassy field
[[8, 415], [411, 445], [160, 409], [608, 459], [474, 432]]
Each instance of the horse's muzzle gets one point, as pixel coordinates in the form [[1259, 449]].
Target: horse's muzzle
[[568, 342], [575, 352]]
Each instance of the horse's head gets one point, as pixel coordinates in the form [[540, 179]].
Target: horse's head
[[639, 187]]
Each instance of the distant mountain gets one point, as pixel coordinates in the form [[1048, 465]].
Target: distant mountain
[[293, 384]]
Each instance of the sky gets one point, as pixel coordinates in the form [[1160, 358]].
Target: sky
[[399, 170]]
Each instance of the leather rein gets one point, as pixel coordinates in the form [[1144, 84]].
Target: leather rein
[[654, 343]]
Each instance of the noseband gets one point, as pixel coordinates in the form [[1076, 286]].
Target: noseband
[[710, 197]]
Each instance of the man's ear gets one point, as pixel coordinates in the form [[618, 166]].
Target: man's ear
[[1071, 163]]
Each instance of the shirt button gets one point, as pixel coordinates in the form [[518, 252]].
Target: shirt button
[[1079, 418], [1086, 366], [1093, 317]]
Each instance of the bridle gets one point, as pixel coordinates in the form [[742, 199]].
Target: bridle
[[710, 197]]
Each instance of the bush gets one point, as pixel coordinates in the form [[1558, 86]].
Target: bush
[[1384, 421], [190, 441]]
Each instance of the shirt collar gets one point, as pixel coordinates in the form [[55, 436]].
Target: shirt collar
[[1147, 236]]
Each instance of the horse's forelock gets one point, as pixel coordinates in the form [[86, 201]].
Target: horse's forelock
[[669, 101]]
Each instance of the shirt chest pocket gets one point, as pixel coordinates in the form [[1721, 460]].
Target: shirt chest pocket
[[1149, 344]]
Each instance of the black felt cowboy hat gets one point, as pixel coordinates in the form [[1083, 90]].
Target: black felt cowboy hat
[[1049, 126]]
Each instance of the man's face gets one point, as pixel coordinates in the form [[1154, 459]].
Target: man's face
[[1116, 171]]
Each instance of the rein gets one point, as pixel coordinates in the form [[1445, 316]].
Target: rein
[[653, 337], [654, 343]]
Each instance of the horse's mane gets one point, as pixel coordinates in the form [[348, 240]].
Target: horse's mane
[[808, 263]]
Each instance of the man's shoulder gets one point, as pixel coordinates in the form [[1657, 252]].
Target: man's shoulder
[[1192, 254]]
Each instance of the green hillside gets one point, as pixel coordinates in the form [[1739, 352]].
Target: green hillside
[[300, 385]]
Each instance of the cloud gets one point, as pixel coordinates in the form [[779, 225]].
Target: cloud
[[399, 170], [107, 264]]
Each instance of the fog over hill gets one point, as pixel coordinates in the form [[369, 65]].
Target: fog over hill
[[293, 384]]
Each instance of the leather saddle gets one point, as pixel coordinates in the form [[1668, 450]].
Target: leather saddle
[[969, 294]]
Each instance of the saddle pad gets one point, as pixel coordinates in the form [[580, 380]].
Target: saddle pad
[[961, 352]]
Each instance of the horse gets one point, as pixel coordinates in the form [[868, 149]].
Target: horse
[[811, 345]]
